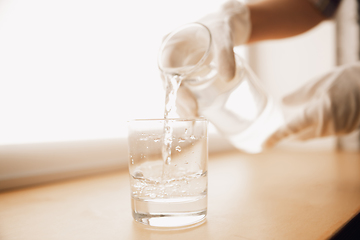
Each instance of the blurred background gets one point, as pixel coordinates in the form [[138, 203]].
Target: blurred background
[[76, 71]]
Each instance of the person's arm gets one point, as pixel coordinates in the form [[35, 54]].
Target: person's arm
[[275, 19]]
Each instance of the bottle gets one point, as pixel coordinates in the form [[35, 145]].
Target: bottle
[[240, 109]]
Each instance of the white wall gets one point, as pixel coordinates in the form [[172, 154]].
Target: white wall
[[79, 69]]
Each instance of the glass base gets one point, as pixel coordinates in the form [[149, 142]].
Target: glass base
[[170, 212], [170, 220]]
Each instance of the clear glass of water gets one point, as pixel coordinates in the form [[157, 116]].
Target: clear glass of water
[[168, 179]]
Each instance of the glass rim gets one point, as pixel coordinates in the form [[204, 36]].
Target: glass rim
[[169, 119], [177, 30]]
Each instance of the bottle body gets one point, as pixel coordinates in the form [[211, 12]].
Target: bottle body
[[241, 109]]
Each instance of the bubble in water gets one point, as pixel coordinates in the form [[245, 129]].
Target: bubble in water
[[178, 148], [138, 174], [144, 137], [168, 160], [157, 140], [181, 140], [186, 130], [192, 137]]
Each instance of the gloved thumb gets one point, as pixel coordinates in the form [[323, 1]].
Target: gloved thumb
[[300, 125]]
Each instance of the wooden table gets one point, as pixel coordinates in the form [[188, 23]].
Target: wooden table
[[279, 194]]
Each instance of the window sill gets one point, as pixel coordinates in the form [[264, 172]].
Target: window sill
[[29, 164]]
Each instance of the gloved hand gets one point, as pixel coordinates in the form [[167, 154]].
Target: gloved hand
[[331, 106], [229, 26]]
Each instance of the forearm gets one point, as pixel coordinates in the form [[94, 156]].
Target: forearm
[[275, 19]]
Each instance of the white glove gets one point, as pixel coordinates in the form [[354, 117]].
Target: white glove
[[331, 106], [230, 26]]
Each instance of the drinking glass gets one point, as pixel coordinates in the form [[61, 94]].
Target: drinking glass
[[171, 193]]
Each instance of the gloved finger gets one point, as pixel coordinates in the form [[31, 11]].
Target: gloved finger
[[224, 57], [307, 118], [240, 21], [223, 47], [185, 112], [186, 104], [307, 92], [306, 134]]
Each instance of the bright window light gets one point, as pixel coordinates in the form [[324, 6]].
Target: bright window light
[[79, 69]]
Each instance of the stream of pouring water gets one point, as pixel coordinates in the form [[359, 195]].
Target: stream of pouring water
[[172, 85]]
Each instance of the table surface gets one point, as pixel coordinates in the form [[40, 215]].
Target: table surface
[[273, 195]]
